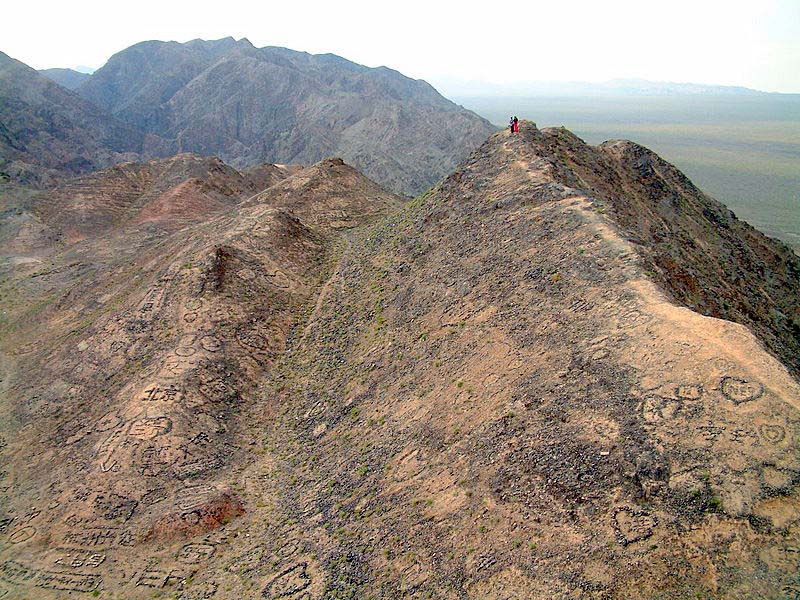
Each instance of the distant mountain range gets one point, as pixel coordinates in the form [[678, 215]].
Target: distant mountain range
[[615, 87], [68, 78], [244, 104], [47, 131]]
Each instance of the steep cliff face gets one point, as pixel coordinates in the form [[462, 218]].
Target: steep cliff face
[[487, 392], [250, 105]]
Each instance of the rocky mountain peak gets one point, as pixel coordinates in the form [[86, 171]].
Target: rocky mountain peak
[[66, 78], [277, 105]]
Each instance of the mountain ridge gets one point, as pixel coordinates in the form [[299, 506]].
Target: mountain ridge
[[612, 87], [324, 391], [244, 104], [67, 78], [212, 97]]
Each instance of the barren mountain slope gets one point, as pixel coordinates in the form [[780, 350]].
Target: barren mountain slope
[[47, 131], [124, 386], [695, 247], [136, 82], [250, 105], [494, 400], [66, 78], [173, 191], [484, 395], [165, 194]]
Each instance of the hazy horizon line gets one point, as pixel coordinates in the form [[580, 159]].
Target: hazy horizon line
[[490, 87]]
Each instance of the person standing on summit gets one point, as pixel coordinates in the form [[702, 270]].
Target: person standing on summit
[[515, 125], [511, 124]]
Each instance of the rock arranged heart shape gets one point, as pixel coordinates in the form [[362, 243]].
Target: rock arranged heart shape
[[632, 525]]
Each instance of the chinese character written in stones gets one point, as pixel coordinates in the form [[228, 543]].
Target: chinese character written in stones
[[741, 436], [162, 394], [154, 579], [126, 539], [710, 433]]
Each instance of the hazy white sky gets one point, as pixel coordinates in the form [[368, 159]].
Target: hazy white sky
[[754, 43]]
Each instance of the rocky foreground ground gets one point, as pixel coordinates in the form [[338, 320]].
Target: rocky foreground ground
[[495, 391]]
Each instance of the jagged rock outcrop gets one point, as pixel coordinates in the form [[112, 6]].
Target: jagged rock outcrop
[[488, 392]]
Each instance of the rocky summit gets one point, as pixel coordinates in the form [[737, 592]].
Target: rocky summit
[[563, 372], [250, 105]]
